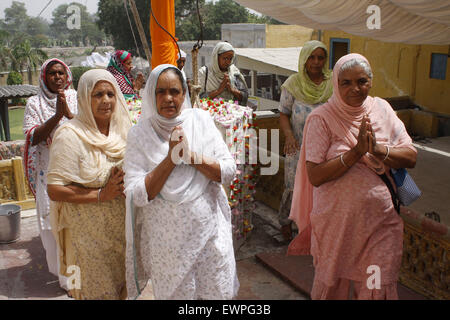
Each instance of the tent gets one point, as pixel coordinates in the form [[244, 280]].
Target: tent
[[404, 21]]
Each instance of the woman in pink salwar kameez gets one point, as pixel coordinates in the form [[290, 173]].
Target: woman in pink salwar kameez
[[343, 209]]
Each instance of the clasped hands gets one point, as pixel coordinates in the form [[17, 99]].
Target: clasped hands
[[114, 187], [62, 109], [367, 141], [179, 151], [226, 84]]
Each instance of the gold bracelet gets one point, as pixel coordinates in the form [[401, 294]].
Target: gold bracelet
[[342, 161], [387, 154]]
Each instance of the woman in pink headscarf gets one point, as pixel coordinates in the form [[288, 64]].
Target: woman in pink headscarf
[[343, 209]]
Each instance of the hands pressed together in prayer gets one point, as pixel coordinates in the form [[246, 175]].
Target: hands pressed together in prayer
[[43, 132], [114, 187], [179, 147], [179, 152], [367, 141], [62, 109], [225, 84], [335, 168], [139, 82]]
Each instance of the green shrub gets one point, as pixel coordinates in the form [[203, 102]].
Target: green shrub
[[14, 78], [77, 72]]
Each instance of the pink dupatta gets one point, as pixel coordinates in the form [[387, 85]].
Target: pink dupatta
[[344, 121]]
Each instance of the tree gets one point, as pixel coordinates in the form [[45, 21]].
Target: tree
[[15, 16], [5, 51], [87, 30], [253, 18], [220, 12], [40, 41], [110, 12], [36, 25], [187, 25], [29, 57]]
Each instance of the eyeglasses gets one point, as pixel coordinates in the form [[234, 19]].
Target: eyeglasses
[[226, 58]]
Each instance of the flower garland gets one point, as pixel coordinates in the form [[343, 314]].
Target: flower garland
[[235, 122], [134, 108]]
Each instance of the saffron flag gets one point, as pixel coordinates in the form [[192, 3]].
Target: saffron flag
[[164, 49]]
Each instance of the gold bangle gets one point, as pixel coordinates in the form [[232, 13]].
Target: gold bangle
[[387, 154], [342, 161]]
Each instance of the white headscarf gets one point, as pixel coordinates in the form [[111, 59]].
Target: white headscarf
[[162, 125], [215, 75], [185, 183]]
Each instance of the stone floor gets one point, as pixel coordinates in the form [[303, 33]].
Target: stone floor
[[432, 176], [24, 274]]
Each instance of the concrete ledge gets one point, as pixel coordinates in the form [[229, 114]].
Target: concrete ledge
[[405, 115], [424, 124]]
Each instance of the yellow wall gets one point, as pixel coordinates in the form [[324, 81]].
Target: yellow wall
[[392, 63], [432, 94], [401, 70], [284, 36]]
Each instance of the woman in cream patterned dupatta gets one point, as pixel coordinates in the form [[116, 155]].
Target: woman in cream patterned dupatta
[[85, 184]]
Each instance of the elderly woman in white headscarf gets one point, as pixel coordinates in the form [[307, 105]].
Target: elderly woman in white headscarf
[[178, 217], [222, 79], [85, 184]]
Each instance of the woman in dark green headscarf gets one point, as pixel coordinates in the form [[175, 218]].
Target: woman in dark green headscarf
[[300, 94]]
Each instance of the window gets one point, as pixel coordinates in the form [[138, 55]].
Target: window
[[438, 66], [339, 47]]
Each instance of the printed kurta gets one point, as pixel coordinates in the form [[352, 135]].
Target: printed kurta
[[91, 236], [185, 248], [297, 112]]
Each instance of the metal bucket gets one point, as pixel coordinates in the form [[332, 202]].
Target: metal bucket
[[9, 223]]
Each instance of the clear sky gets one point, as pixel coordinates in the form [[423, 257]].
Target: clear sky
[[35, 6]]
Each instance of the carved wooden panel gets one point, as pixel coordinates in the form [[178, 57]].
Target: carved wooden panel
[[425, 263], [7, 183], [13, 188]]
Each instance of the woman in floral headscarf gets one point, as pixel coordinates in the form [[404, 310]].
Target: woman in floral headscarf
[[300, 94], [53, 105], [120, 66]]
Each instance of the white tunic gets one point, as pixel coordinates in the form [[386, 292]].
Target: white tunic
[[186, 247]]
